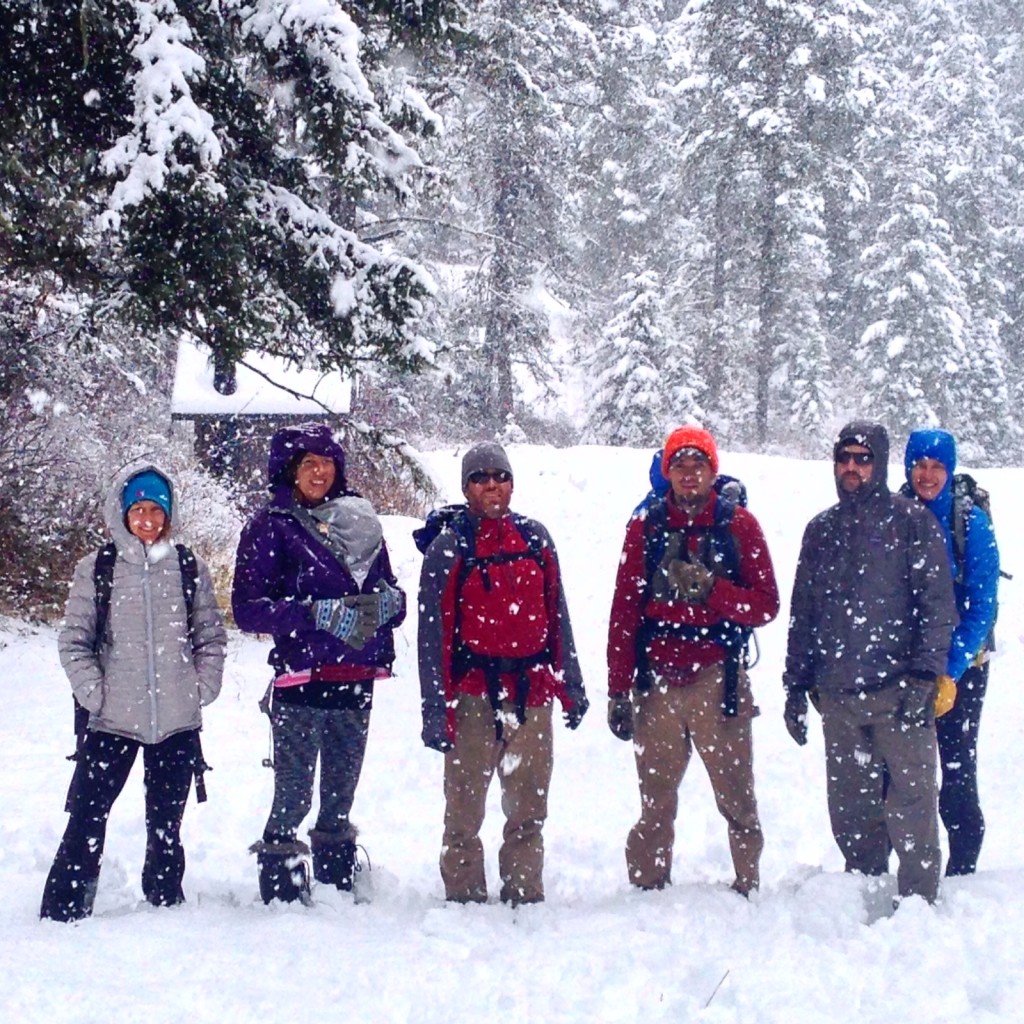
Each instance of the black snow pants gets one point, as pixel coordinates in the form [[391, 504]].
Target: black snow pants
[[104, 764], [959, 805]]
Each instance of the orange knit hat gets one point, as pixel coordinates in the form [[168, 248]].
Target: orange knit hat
[[689, 437]]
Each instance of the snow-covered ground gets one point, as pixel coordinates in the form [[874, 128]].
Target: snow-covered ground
[[814, 946]]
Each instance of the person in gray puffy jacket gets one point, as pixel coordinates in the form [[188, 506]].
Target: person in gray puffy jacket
[[143, 684]]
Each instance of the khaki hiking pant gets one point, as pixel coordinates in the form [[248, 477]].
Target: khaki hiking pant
[[863, 737], [668, 722], [523, 760]]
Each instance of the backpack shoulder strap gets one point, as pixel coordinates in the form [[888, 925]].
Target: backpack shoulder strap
[[103, 584], [189, 581]]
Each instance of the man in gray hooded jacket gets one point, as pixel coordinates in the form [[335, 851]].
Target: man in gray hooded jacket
[[870, 625]]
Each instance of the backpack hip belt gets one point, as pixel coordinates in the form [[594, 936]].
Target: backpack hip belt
[[493, 669]]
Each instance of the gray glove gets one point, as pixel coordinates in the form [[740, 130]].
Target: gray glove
[[795, 715], [917, 703], [435, 732], [620, 717], [691, 580], [352, 619]]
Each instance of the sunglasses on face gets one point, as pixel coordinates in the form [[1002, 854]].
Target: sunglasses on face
[[499, 476], [860, 458]]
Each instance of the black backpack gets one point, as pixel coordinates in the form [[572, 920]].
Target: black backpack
[[967, 494], [103, 584]]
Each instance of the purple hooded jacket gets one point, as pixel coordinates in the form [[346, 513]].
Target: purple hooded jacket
[[280, 568]]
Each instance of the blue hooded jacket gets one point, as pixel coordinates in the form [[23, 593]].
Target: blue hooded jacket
[[976, 593]]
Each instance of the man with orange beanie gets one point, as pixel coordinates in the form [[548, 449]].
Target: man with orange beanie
[[694, 579]]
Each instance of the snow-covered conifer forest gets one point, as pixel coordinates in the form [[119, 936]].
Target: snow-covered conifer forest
[[545, 220]]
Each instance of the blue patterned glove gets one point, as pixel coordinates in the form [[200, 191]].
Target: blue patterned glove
[[349, 619], [390, 602]]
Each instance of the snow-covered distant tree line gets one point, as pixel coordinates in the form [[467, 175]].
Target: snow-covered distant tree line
[[543, 219]]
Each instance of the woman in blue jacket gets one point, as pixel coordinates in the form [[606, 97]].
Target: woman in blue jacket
[[930, 462]]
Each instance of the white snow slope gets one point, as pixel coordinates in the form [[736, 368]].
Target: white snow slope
[[815, 945]]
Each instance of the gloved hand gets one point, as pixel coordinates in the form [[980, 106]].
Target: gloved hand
[[945, 695], [352, 619], [917, 703], [795, 716], [573, 714], [691, 580], [435, 733], [390, 602], [620, 716]]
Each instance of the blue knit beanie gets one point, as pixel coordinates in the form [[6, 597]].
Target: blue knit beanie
[[147, 486]]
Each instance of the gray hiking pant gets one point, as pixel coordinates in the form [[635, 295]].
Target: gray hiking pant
[[863, 737], [338, 736]]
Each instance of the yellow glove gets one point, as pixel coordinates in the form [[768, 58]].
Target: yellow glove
[[945, 695]]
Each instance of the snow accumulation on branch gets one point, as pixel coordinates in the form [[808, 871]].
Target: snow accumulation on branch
[[165, 112], [330, 247], [331, 42]]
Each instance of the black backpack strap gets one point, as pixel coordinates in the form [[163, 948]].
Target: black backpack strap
[[189, 582], [189, 585], [103, 584]]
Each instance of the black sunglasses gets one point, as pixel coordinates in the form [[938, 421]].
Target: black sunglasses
[[861, 458], [499, 476]]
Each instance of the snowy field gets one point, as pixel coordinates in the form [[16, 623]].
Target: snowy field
[[815, 945]]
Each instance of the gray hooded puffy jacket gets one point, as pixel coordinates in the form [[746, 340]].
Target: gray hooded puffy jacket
[[148, 680]]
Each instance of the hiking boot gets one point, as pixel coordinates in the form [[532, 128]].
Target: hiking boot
[[334, 858], [283, 871]]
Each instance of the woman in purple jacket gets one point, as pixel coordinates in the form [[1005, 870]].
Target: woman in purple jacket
[[312, 570]]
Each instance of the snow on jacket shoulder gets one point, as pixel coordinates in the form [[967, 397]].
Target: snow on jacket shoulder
[[149, 678]]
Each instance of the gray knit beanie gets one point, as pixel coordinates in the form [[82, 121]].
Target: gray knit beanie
[[483, 456]]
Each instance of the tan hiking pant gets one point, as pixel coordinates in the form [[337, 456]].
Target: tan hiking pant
[[667, 723], [523, 760]]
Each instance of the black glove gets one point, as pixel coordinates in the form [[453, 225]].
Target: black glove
[[691, 580], [917, 703], [796, 715], [620, 717], [573, 714], [435, 733]]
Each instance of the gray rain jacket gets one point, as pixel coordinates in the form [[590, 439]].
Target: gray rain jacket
[[872, 600], [149, 680]]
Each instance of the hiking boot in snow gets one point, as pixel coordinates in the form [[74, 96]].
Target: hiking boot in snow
[[334, 858], [283, 871]]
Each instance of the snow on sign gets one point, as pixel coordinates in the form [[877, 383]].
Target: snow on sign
[[268, 389]]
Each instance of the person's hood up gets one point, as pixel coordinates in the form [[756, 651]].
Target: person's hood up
[[941, 446], [875, 438], [113, 507], [287, 447]]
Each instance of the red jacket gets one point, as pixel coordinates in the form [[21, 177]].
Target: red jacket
[[520, 610], [751, 601]]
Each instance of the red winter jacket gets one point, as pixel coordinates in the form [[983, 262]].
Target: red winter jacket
[[518, 610], [751, 601]]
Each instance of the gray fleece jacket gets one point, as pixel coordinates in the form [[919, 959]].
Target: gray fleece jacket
[[149, 680]]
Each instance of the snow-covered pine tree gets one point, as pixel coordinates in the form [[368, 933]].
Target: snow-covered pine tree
[[211, 167]]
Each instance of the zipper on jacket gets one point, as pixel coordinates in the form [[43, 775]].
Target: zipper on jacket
[[147, 600]]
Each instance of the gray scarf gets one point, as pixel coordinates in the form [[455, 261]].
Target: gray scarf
[[350, 528]]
